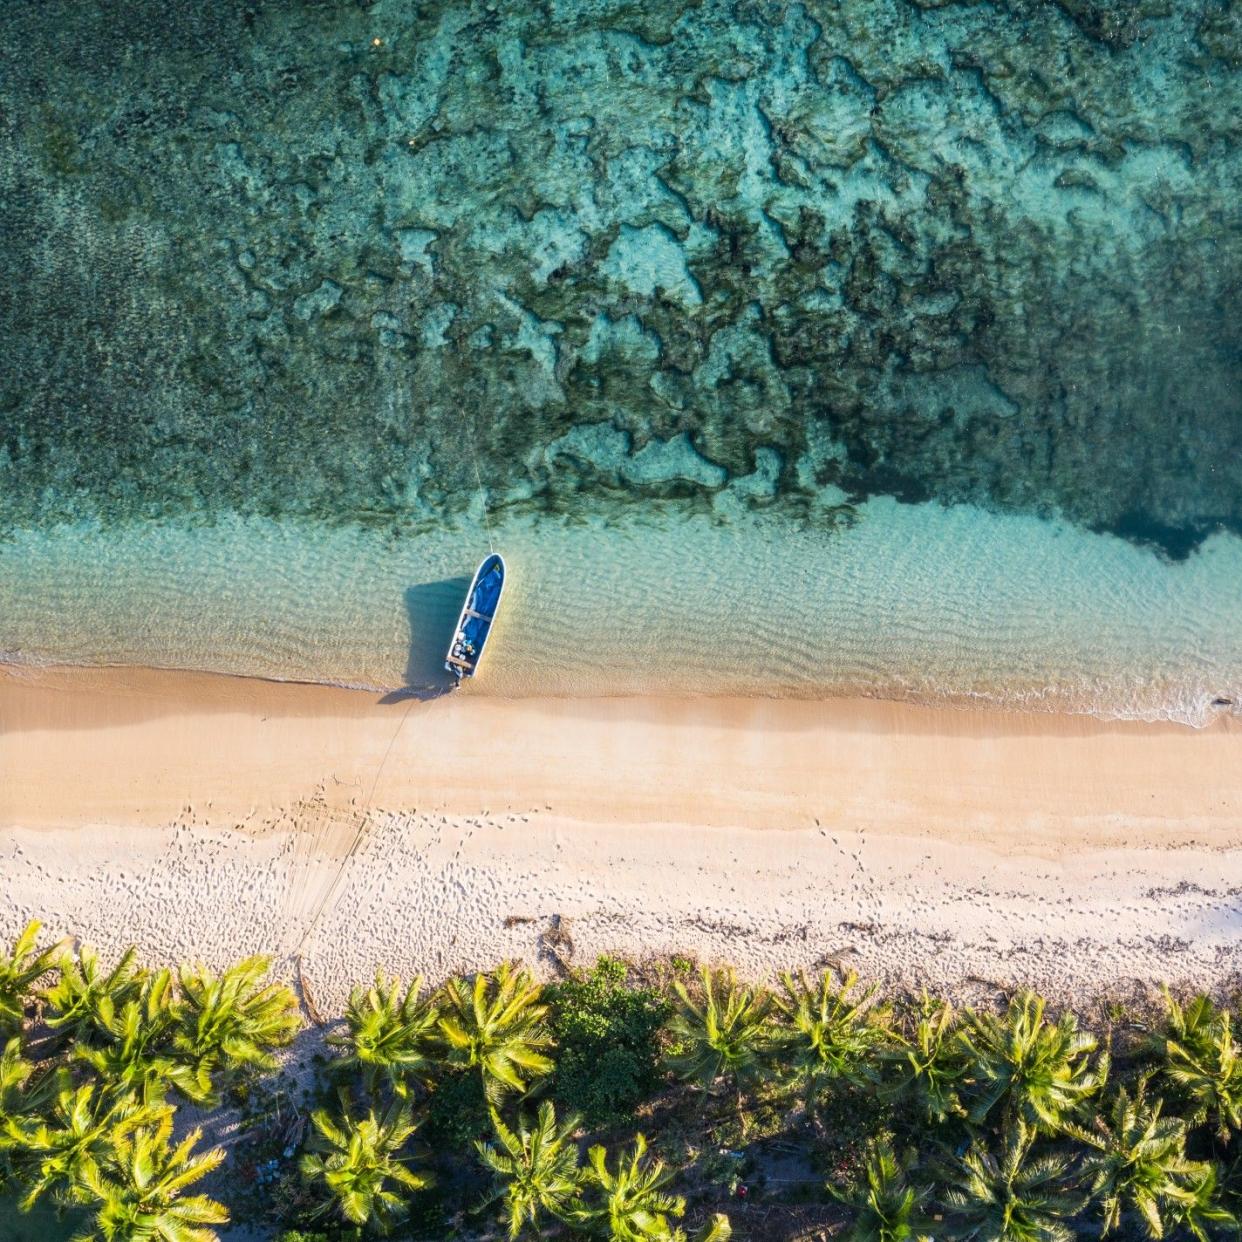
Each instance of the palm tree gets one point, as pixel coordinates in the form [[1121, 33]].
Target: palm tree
[[139, 1189], [358, 1160], [233, 1020], [23, 1093], [129, 1048], [630, 1204], [73, 1002], [1042, 1071], [1138, 1162], [886, 1207], [496, 1025], [1013, 1198], [536, 1168], [391, 1036], [1200, 1211], [20, 970], [930, 1064], [717, 1229], [725, 1035], [828, 1036], [57, 1155], [1202, 1060]]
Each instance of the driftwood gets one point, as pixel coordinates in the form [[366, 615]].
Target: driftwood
[[834, 956], [308, 1000], [557, 944]]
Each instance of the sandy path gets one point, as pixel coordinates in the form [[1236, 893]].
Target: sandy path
[[207, 816]]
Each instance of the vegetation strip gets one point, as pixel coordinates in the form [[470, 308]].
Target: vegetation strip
[[907, 1118]]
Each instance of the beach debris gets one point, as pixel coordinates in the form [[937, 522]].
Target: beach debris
[[1004, 989], [556, 943], [308, 1001], [834, 956]]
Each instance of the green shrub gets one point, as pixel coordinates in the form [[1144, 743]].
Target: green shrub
[[428, 1220], [607, 1038], [457, 1111]]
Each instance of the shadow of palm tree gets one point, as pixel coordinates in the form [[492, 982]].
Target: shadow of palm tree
[[432, 608]]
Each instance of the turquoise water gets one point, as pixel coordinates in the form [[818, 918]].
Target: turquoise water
[[924, 602], [881, 346]]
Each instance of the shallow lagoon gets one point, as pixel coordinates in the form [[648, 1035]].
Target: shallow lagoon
[[924, 602]]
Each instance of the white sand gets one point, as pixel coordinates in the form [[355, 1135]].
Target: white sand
[[209, 817]]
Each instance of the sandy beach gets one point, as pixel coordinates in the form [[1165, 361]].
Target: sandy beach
[[209, 816]]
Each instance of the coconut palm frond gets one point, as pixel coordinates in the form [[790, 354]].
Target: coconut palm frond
[[726, 1035], [233, 1020], [138, 1189], [1137, 1161], [1202, 1062], [129, 1048], [496, 1025], [535, 1167], [628, 1203], [393, 1035], [927, 1069], [84, 992], [827, 1033], [1011, 1195], [82, 1130], [365, 1178], [20, 969], [1200, 1209], [24, 1089], [1041, 1072], [717, 1229], [887, 1208]]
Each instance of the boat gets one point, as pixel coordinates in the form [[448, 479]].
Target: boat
[[477, 614]]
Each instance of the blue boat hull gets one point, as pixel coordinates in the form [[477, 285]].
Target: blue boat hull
[[477, 616]]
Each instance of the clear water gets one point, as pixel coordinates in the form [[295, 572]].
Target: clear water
[[881, 346], [931, 603]]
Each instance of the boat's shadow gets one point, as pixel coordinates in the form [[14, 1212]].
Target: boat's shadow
[[432, 609]]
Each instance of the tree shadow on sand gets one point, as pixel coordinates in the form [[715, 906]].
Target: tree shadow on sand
[[432, 608]]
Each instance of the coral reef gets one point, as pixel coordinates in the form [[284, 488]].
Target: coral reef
[[324, 258]]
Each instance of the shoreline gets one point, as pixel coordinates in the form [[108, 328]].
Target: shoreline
[[144, 679], [205, 816], [911, 603]]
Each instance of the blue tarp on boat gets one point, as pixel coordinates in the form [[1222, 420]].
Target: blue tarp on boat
[[475, 623]]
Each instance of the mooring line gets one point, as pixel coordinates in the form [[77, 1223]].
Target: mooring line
[[358, 835], [478, 478], [330, 895]]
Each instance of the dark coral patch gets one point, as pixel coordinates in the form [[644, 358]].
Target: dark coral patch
[[321, 259]]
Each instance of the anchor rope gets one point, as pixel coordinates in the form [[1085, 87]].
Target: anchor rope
[[356, 844], [478, 478]]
